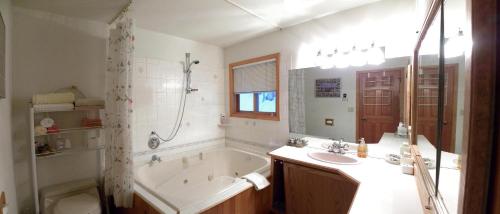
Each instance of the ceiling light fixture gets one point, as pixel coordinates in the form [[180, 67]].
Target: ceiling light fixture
[[342, 60], [455, 46], [328, 60], [357, 58], [375, 55]]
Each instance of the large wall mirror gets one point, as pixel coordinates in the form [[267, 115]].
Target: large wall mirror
[[439, 100], [348, 103]]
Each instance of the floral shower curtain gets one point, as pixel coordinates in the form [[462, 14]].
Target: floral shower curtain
[[118, 174], [297, 115]]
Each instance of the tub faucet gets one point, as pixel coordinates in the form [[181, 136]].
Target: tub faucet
[[153, 159], [338, 147]]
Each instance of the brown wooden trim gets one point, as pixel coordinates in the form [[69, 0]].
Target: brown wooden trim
[[431, 203], [232, 98], [139, 206], [479, 112], [319, 167], [3, 202], [429, 18]]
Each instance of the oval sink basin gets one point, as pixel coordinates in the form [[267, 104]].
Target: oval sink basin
[[333, 158]]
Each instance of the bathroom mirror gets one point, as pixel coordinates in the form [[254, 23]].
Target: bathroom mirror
[[442, 159], [350, 103], [2, 58]]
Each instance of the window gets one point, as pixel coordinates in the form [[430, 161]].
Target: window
[[254, 88]]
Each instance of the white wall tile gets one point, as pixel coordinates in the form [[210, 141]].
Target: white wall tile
[[158, 90]]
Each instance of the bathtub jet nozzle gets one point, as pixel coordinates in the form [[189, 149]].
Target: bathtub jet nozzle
[[154, 140]]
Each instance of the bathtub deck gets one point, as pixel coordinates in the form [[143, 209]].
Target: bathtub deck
[[188, 194]]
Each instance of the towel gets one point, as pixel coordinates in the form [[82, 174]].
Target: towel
[[53, 107], [258, 180], [53, 98], [89, 102]]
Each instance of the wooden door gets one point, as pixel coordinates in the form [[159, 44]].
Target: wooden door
[[378, 103], [315, 191], [427, 105]]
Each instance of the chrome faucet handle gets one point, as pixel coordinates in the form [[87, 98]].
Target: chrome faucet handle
[[153, 159], [338, 147]]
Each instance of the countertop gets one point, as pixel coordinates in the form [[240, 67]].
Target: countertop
[[383, 187]]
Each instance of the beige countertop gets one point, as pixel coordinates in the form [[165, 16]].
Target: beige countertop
[[383, 187]]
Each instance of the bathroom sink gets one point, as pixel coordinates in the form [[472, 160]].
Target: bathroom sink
[[333, 158]]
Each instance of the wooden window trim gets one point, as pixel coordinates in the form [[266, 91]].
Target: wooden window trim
[[233, 104]]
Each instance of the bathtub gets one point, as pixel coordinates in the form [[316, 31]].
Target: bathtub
[[195, 181]]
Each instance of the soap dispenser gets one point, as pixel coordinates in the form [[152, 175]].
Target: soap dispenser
[[362, 148]]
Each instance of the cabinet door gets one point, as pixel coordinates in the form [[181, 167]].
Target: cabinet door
[[312, 191]]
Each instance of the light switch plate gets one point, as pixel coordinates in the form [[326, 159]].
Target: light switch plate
[[350, 109]]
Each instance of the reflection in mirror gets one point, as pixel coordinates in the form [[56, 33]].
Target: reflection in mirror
[[427, 94], [349, 103], [427, 100], [454, 47]]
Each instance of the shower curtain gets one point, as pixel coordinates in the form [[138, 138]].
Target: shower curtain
[[297, 115], [118, 174]]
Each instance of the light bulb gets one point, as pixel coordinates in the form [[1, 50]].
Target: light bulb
[[342, 60], [375, 56], [357, 58], [328, 60], [455, 46]]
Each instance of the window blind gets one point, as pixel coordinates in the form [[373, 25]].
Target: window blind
[[255, 77]]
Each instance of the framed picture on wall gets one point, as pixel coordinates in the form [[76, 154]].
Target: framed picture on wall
[[2, 58], [328, 87]]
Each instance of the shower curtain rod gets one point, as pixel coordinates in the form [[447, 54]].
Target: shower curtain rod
[[119, 14]]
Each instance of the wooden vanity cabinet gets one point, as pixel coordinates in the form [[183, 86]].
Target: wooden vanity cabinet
[[305, 188]]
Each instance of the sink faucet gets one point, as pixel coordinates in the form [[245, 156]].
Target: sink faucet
[[153, 159], [338, 147]]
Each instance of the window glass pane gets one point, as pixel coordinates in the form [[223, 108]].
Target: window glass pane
[[246, 102], [267, 101]]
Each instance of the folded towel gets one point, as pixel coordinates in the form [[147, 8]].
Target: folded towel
[[53, 107], [258, 180], [89, 102], [53, 98], [72, 89]]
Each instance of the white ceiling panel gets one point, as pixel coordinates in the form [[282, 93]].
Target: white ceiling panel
[[216, 22], [291, 12], [97, 10], [211, 21]]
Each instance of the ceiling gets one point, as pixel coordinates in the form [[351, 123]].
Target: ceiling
[[97, 10], [216, 22]]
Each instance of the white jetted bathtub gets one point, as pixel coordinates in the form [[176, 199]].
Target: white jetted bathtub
[[199, 180]]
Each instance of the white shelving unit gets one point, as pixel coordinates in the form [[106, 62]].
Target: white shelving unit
[[70, 127]]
